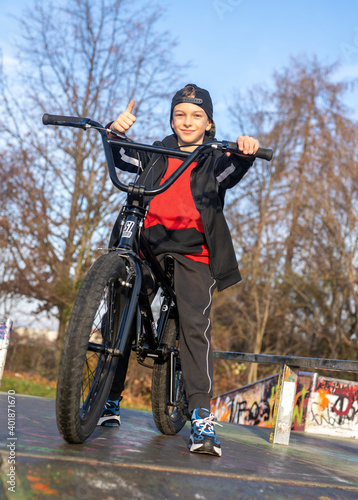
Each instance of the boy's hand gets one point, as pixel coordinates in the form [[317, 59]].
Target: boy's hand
[[125, 120], [248, 145]]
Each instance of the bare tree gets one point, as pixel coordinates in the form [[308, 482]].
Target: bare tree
[[86, 58], [294, 221]]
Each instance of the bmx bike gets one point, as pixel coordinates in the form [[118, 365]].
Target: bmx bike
[[113, 314]]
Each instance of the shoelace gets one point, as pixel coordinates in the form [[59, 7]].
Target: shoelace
[[206, 424], [111, 405]]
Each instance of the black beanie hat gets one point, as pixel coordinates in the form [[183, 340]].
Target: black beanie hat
[[200, 97]]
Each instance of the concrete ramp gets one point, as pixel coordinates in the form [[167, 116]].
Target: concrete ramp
[[137, 462]]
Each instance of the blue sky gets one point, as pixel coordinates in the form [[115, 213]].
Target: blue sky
[[239, 43], [234, 44]]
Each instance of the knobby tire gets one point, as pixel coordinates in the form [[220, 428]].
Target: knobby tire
[[87, 363]]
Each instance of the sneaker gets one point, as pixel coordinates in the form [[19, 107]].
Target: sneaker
[[203, 438], [110, 414]]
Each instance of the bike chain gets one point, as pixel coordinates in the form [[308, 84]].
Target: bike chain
[[139, 352]]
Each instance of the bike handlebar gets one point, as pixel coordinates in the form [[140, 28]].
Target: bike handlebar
[[86, 123], [262, 153], [69, 121]]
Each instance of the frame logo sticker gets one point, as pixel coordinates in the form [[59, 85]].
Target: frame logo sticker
[[128, 229]]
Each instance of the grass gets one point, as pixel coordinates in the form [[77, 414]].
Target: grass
[[35, 385], [30, 384]]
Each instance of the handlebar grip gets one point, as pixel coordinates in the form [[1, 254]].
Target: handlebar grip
[[262, 153], [71, 121]]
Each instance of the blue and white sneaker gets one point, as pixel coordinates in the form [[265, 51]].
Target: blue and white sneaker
[[203, 438], [110, 414]]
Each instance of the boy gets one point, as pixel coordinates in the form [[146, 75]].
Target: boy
[[187, 221]]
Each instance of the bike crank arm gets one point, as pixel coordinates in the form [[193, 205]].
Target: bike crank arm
[[173, 378], [161, 353]]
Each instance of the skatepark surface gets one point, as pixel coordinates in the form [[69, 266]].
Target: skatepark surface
[[137, 462]]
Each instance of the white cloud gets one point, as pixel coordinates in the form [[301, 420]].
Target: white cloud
[[347, 71], [10, 64]]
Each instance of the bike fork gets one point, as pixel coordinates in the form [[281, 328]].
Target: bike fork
[[125, 327]]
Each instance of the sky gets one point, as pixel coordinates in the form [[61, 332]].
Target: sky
[[235, 44]]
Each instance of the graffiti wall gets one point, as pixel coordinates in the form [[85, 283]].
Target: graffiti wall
[[333, 408], [322, 405], [249, 405]]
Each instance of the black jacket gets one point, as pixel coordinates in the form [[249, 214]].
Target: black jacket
[[213, 175]]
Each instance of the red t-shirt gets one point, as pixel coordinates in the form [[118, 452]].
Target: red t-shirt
[[175, 208]]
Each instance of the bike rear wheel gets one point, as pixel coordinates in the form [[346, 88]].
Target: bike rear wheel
[[88, 362], [169, 418]]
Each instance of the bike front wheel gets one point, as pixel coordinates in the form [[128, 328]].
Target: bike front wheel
[[169, 416], [88, 360]]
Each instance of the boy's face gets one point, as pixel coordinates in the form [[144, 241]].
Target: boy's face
[[190, 122]]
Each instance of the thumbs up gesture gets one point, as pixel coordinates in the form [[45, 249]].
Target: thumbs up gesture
[[125, 120]]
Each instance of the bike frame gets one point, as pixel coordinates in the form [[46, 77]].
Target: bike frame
[[139, 308], [132, 239]]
